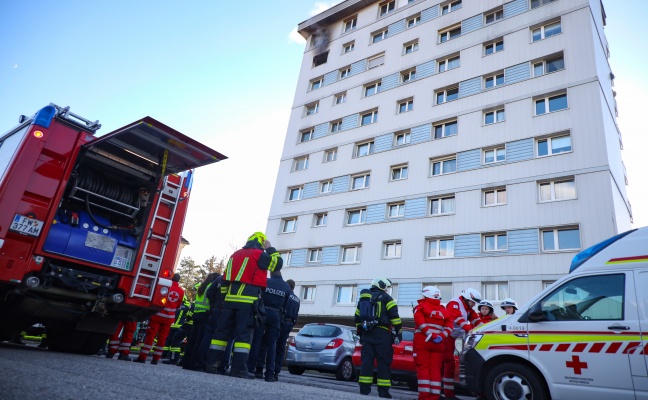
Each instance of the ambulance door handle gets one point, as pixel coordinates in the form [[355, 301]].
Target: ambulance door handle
[[619, 328]]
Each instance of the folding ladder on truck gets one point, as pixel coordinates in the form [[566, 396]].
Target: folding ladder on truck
[[158, 237]]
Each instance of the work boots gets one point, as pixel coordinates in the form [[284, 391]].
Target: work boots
[[241, 374], [172, 361], [124, 357], [384, 392]]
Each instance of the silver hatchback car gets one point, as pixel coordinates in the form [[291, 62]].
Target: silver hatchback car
[[323, 347]]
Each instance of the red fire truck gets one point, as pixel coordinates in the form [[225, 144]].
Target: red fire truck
[[90, 226]]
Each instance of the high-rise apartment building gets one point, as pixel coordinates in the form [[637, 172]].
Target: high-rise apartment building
[[465, 143]]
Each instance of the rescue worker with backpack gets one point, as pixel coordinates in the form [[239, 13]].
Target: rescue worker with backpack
[[375, 317], [433, 326], [245, 278], [486, 311]]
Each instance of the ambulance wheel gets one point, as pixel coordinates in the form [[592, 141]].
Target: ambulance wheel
[[345, 371], [295, 370], [514, 381]]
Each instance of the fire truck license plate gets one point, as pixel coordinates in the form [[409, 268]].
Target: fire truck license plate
[[26, 226]]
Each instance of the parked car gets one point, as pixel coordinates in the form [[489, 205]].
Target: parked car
[[403, 368], [323, 347]]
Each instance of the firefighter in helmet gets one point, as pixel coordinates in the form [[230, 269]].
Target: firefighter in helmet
[[245, 279]]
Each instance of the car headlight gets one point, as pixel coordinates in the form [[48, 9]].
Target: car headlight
[[472, 340]]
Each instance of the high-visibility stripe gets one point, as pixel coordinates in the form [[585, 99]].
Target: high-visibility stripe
[[242, 345], [384, 382], [240, 273], [390, 305], [366, 379], [423, 381], [365, 296], [627, 260], [274, 259], [396, 321], [228, 270]]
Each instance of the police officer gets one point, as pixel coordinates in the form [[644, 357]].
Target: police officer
[[377, 340], [264, 345], [245, 278], [291, 311]]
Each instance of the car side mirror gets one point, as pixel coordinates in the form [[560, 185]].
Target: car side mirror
[[533, 314]]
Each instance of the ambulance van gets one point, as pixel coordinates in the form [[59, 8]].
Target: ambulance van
[[584, 337]]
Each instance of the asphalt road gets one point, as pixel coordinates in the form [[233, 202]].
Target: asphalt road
[[32, 373]]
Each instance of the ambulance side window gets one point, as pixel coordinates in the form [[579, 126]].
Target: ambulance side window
[[598, 298]]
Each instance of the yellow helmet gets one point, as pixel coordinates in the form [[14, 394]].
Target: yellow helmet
[[259, 237]]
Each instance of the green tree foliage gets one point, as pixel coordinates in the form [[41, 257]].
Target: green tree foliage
[[192, 274]]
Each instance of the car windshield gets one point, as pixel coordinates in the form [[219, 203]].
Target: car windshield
[[320, 331]]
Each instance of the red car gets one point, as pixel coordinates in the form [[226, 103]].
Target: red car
[[402, 368]]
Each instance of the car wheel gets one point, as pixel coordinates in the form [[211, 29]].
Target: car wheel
[[345, 371], [295, 370], [514, 381]]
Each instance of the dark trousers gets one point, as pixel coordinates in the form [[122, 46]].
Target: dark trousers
[[176, 341], [202, 356], [376, 345], [280, 354], [194, 339], [236, 323], [264, 343]]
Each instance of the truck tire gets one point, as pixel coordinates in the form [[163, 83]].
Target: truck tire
[[345, 371], [296, 370], [66, 339], [514, 381], [94, 343]]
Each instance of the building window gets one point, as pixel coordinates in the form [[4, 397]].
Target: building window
[[495, 116], [446, 129], [305, 136], [340, 98], [546, 284], [326, 186], [448, 63], [408, 76], [442, 205], [538, 3], [386, 8], [379, 36], [495, 242], [300, 164], [396, 210], [357, 216], [330, 155], [493, 16], [444, 288], [320, 59], [345, 295], [553, 145], [495, 291], [450, 7], [495, 197], [442, 167], [405, 106], [369, 118], [348, 47], [440, 248], [548, 66], [410, 47], [364, 149], [493, 47], [288, 225], [564, 189], [561, 239], [401, 138], [398, 173], [495, 155], [345, 72], [295, 194], [551, 104], [285, 256], [372, 88], [350, 254], [314, 255], [493, 80], [336, 126], [392, 249], [449, 34], [350, 24], [321, 219], [308, 293], [413, 21], [316, 83], [312, 108], [446, 95], [360, 181], [375, 61], [546, 31]]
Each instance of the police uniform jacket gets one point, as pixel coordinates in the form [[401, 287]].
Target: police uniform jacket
[[291, 309], [276, 293]]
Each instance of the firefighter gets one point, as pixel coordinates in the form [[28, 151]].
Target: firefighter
[[486, 311], [245, 278], [160, 323], [213, 293], [288, 321], [179, 330], [200, 318], [121, 340], [433, 326], [509, 306], [377, 338], [464, 318], [264, 344]]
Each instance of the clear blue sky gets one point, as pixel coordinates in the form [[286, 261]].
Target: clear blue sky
[[225, 74]]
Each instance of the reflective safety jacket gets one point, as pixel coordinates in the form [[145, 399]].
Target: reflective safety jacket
[[386, 310], [246, 273], [487, 318], [464, 318], [182, 313], [431, 319], [201, 304], [174, 301]]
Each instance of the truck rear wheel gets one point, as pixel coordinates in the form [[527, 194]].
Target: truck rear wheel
[[513, 381]]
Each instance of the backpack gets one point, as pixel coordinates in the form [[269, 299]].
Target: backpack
[[369, 312]]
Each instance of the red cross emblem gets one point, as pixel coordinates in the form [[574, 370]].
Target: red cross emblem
[[576, 364], [173, 296]]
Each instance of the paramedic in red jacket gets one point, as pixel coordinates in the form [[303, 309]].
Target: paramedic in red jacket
[[160, 323], [486, 311], [460, 310], [433, 326]]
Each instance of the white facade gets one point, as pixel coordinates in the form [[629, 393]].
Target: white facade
[[440, 194]]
